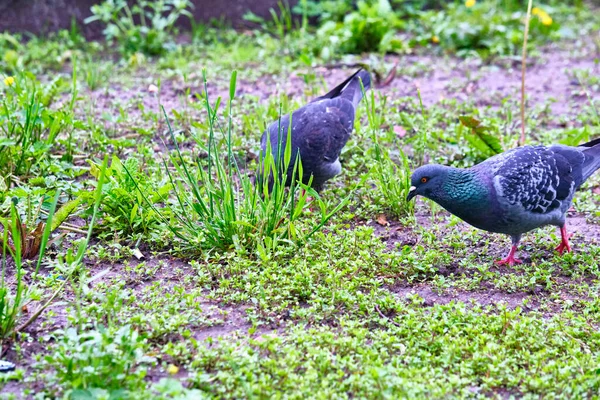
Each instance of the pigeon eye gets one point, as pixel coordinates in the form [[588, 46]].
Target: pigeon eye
[[424, 179]]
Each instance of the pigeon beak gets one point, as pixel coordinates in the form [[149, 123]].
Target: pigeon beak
[[412, 192]]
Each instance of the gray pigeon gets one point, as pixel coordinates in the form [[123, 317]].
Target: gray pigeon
[[514, 192], [320, 130]]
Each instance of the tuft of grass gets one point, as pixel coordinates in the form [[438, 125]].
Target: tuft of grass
[[100, 363], [392, 179], [218, 207], [29, 127], [393, 182], [146, 27]]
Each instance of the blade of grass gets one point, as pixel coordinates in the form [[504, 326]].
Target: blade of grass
[[47, 232]]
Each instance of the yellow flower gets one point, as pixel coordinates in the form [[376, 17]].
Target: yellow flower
[[172, 369], [547, 20], [435, 39], [9, 80], [536, 11], [470, 3]]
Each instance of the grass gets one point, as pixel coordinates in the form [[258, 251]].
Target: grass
[[166, 273]]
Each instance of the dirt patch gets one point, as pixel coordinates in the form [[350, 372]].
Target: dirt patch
[[234, 321], [550, 81], [535, 300], [549, 77], [395, 234], [492, 297]]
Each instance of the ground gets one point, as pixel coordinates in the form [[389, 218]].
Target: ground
[[376, 304]]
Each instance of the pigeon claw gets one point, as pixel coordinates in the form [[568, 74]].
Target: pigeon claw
[[510, 261], [510, 258], [564, 245]]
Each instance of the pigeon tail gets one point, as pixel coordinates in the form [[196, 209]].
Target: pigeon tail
[[353, 91], [592, 158], [350, 89], [591, 143]]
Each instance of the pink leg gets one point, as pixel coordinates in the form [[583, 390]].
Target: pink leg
[[564, 243], [510, 258]]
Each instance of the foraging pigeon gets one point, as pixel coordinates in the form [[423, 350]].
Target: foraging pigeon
[[513, 192], [319, 131]]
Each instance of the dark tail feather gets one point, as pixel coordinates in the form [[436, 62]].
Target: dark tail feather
[[591, 152], [591, 144], [350, 88]]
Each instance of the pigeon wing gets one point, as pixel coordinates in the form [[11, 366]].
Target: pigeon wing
[[537, 178], [323, 129]]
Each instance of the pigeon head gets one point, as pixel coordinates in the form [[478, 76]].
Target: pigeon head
[[427, 181]]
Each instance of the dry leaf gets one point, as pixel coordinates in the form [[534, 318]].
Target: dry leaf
[[381, 220], [390, 77]]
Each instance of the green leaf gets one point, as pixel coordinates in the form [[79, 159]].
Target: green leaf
[[480, 137], [7, 142], [63, 213], [232, 84]]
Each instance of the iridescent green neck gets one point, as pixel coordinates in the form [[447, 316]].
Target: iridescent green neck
[[461, 191]]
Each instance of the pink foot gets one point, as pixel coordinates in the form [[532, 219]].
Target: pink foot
[[510, 258], [510, 261], [564, 243]]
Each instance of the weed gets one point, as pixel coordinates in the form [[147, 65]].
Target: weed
[[486, 29], [152, 35], [21, 245], [219, 206], [28, 127], [124, 211], [393, 183], [372, 27], [37, 54], [392, 180], [100, 362]]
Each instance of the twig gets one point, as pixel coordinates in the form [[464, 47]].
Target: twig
[[523, 65], [72, 229], [385, 316]]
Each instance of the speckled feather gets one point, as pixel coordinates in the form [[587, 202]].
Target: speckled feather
[[320, 130], [540, 179]]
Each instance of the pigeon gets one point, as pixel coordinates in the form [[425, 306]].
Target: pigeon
[[513, 192], [319, 131]]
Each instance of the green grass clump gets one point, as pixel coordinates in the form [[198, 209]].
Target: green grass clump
[[100, 363], [371, 27], [29, 127], [124, 209], [147, 27], [38, 54], [484, 28], [218, 205]]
